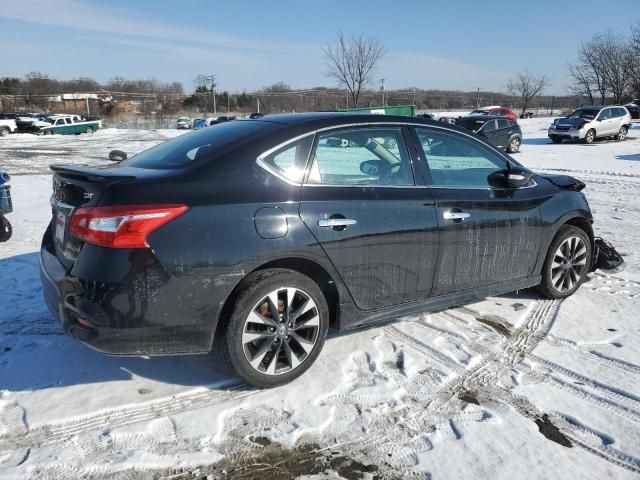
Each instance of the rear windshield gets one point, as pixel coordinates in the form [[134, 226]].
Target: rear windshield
[[194, 146]]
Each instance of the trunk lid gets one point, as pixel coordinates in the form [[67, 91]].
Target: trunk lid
[[74, 187]]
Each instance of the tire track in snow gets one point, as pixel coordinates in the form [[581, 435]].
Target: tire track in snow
[[53, 432]]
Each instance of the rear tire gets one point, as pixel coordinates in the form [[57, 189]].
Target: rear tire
[[590, 137], [556, 140], [89, 131], [268, 349], [622, 134], [48, 132], [567, 263], [5, 229], [4, 132]]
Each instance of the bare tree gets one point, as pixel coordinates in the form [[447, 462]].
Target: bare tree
[[582, 81], [611, 52], [352, 62], [527, 86], [633, 61]]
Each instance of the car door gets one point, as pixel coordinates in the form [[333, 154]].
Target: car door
[[376, 224], [487, 235], [605, 123], [492, 134]]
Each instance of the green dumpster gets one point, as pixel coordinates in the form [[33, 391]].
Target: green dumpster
[[402, 110]]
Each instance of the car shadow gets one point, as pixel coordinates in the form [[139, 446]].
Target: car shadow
[[36, 354], [632, 156]]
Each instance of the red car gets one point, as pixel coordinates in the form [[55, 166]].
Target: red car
[[496, 110]]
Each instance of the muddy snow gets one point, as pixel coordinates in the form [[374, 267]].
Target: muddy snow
[[514, 386]]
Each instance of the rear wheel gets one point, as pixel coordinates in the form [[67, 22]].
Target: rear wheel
[[4, 132], [88, 130], [48, 132], [277, 327], [567, 263], [590, 136], [622, 134], [514, 145], [5, 229]]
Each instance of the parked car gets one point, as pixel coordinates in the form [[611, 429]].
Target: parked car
[[252, 233], [199, 123], [502, 132], [430, 116], [634, 108], [70, 124], [495, 110], [592, 122], [5, 207], [9, 116], [183, 123], [7, 126]]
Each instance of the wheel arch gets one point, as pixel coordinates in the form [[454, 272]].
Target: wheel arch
[[309, 268]]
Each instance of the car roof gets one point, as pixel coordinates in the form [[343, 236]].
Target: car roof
[[339, 118], [485, 118]]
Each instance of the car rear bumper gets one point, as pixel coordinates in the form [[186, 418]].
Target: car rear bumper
[[118, 319]]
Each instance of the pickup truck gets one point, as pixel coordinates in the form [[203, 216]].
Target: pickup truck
[[7, 127], [70, 124]]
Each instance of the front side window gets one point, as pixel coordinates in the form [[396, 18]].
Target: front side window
[[455, 161], [490, 126], [375, 156], [605, 114], [290, 161]]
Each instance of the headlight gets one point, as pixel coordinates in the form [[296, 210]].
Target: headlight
[[552, 126]]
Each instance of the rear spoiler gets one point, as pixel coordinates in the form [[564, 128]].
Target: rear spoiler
[[94, 174]]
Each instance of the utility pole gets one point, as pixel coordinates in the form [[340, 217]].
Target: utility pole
[[478, 99], [382, 90], [258, 104]]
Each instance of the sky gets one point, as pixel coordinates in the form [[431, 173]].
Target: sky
[[454, 44]]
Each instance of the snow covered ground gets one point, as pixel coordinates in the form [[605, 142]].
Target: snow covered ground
[[511, 387]]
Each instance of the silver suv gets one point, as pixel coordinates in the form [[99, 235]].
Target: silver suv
[[589, 123]]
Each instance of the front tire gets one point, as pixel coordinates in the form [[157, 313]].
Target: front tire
[[622, 134], [4, 132], [590, 137], [567, 263], [556, 140], [5, 229], [277, 327], [514, 145], [89, 131]]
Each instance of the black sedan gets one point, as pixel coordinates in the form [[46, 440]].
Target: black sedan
[[263, 234], [502, 132]]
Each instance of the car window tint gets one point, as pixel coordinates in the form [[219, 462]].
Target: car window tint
[[605, 114], [490, 126], [363, 156], [291, 160], [199, 145], [503, 123], [455, 161]]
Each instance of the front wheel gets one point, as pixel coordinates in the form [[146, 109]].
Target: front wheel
[[5, 229], [556, 140], [567, 263], [514, 145], [622, 134], [88, 131], [590, 136], [277, 327], [48, 132], [4, 132]]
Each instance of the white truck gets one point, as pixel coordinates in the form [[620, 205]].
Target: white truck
[[7, 127]]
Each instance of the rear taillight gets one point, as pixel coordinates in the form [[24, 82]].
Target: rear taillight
[[126, 226]]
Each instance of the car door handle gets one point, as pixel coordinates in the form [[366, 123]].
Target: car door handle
[[459, 216], [336, 222]]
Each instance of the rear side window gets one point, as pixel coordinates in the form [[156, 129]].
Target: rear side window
[[290, 161], [196, 146], [502, 123], [490, 126]]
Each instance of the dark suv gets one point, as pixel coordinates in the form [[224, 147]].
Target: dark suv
[[500, 131], [263, 235]]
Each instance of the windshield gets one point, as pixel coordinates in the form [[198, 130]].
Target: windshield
[[588, 114], [193, 146]]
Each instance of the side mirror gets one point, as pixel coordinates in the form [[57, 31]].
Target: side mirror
[[117, 155], [515, 177], [375, 168]]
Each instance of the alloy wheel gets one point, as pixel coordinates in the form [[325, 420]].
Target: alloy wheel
[[622, 134], [515, 145], [590, 136], [281, 331], [569, 264]]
